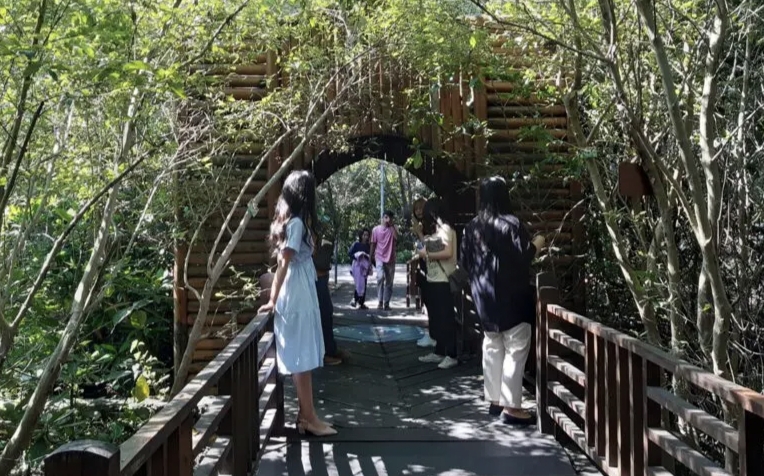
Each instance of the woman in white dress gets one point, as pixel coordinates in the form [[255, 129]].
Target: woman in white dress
[[293, 298]]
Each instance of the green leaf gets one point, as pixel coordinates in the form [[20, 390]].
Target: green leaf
[[127, 312], [473, 41], [141, 389], [138, 319], [137, 66]]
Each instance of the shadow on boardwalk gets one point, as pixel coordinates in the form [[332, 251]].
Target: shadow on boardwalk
[[398, 416]]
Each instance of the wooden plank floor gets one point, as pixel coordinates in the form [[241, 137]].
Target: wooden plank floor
[[397, 416]]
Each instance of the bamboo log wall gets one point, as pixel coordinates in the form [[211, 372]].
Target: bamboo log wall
[[451, 167]]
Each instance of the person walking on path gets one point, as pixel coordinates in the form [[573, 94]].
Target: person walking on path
[[360, 259], [440, 253], [421, 275], [322, 259], [496, 253], [293, 298], [383, 240]]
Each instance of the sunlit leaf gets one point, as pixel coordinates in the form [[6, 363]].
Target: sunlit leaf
[[141, 391]]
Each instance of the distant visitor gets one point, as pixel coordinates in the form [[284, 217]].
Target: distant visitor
[[384, 237], [360, 269]]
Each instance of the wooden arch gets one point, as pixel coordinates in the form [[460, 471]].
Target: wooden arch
[[438, 174], [457, 154]]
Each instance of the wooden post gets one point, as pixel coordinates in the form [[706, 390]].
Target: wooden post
[[611, 415], [481, 114], [751, 449], [624, 411], [600, 397], [578, 243], [225, 387], [547, 293], [278, 392], [637, 402], [651, 375], [83, 458], [253, 377], [239, 408], [590, 397], [272, 82], [180, 458]]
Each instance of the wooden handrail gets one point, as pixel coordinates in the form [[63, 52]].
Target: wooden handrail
[[747, 398], [248, 409], [611, 394]]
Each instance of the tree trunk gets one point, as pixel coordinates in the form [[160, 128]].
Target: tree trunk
[[704, 309], [405, 204], [34, 408]]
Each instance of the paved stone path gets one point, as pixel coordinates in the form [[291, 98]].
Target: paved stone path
[[397, 416]]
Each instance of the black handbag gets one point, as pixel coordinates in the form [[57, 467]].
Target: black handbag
[[459, 280]]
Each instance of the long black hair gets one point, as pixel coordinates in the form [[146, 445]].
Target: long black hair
[[361, 232], [297, 199], [433, 211], [494, 198]]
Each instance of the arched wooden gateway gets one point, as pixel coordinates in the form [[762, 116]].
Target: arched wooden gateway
[[455, 154]]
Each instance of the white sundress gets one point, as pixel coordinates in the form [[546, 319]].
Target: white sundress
[[297, 322]]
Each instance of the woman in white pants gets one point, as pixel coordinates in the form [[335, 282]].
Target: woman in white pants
[[497, 253]]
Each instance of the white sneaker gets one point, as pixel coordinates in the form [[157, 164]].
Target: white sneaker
[[432, 358], [448, 362], [426, 341]]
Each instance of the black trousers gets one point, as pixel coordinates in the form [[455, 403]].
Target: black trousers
[[423, 291], [326, 307], [442, 317], [361, 300]]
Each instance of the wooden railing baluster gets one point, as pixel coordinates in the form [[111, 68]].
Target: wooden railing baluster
[[636, 406], [611, 415], [625, 433], [254, 398], [180, 459], [651, 376], [547, 294], [239, 410], [158, 463], [600, 392], [225, 429], [751, 434], [590, 397]]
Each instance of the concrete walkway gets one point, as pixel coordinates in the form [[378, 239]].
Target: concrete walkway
[[397, 416]]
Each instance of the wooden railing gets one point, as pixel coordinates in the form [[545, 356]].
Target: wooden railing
[[219, 423], [611, 394]]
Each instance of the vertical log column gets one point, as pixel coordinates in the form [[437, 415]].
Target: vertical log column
[[272, 83]]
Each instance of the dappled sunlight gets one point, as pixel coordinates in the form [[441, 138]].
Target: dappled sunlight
[[398, 416]]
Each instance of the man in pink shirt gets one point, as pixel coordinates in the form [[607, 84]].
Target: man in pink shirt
[[383, 239]]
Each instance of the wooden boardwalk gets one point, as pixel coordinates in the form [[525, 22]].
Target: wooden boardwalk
[[397, 416]]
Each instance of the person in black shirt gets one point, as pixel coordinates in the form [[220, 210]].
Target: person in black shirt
[[496, 253], [322, 260]]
